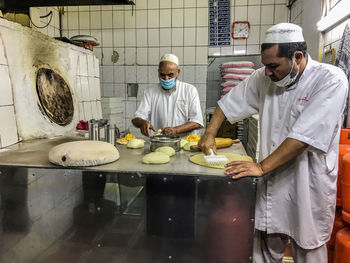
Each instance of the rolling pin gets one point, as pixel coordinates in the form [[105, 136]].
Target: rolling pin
[[220, 143]]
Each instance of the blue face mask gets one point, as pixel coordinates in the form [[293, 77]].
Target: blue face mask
[[167, 84]]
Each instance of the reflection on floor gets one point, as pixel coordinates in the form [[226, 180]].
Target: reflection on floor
[[109, 223], [122, 239]]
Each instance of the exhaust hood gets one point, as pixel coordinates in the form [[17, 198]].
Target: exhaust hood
[[18, 4]]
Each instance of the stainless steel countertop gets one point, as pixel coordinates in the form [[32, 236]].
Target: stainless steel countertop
[[34, 154]]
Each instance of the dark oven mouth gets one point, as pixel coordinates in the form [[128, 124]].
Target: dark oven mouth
[[55, 96]]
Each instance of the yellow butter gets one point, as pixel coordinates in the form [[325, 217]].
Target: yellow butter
[[192, 138]]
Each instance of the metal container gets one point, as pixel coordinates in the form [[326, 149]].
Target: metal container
[[165, 140], [111, 133], [92, 132], [95, 136]]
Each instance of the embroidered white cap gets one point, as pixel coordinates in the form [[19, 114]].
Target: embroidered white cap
[[170, 58], [284, 33]]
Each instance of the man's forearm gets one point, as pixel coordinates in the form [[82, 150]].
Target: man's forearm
[[138, 122], [187, 127], [215, 122], [288, 150]]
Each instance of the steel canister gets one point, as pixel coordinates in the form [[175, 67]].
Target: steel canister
[[111, 133]]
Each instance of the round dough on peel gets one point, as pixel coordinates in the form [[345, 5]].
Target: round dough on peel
[[83, 153], [167, 150], [199, 159], [156, 158], [136, 143], [188, 145]]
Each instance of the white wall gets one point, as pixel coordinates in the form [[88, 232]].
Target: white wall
[[53, 28], [310, 16], [307, 13], [156, 27]]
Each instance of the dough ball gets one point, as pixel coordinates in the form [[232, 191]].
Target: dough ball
[[156, 158], [183, 143], [83, 153], [167, 150], [188, 145], [136, 143]]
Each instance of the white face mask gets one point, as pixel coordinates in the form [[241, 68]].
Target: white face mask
[[287, 80]]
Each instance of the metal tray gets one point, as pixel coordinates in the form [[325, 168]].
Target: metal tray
[[165, 140]]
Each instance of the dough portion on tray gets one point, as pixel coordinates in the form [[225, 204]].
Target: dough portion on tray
[[83, 153], [136, 143], [167, 150], [199, 159], [156, 158]]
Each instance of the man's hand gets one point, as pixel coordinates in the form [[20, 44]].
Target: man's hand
[[243, 169], [169, 130], [146, 127], [207, 142]]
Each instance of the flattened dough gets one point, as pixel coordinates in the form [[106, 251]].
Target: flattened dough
[[136, 143], [83, 153], [156, 158], [167, 150], [199, 159]]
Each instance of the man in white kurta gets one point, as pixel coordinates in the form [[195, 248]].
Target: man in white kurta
[[173, 108], [299, 133]]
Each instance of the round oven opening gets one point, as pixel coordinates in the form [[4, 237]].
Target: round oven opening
[[55, 96]]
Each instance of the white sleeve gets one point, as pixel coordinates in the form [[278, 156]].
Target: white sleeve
[[317, 122], [144, 109], [243, 100], [194, 110]]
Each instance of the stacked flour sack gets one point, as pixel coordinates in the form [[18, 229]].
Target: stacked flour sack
[[232, 73]]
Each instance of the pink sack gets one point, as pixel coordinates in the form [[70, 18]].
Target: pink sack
[[237, 64], [225, 90], [229, 84], [238, 70], [235, 76]]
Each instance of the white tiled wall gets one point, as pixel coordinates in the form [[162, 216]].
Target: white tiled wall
[[154, 27], [296, 12], [261, 15], [8, 127], [53, 25], [88, 87]]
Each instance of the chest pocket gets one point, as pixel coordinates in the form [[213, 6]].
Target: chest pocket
[[295, 112], [182, 110]]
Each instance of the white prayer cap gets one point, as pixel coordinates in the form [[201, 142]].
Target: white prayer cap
[[284, 33], [170, 58]]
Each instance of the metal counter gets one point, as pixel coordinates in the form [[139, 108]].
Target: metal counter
[[125, 211], [34, 153]]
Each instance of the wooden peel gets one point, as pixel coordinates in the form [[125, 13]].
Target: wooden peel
[[220, 143]]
